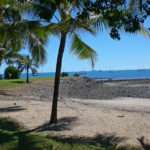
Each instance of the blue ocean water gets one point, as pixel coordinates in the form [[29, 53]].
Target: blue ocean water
[[102, 75]]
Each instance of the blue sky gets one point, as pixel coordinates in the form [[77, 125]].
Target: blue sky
[[131, 52]]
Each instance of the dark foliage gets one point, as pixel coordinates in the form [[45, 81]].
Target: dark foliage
[[76, 75], [117, 15], [64, 74], [11, 73]]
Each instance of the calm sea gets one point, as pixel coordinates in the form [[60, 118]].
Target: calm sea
[[102, 75]]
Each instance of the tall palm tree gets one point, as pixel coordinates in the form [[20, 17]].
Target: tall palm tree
[[67, 19], [63, 18], [69, 27], [65, 23]]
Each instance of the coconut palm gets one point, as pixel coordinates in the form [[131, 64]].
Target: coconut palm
[[67, 24], [63, 20], [68, 19], [26, 63], [71, 27]]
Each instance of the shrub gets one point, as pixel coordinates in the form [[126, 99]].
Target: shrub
[[76, 75], [64, 74], [11, 73]]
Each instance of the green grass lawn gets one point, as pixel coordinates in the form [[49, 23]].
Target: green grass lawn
[[9, 84], [14, 137]]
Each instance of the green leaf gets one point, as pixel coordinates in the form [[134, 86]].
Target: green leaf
[[82, 50]]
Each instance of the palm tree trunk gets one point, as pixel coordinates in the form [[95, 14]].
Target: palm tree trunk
[[53, 118], [27, 77]]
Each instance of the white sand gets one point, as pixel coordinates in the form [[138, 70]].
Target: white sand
[[124, 117]]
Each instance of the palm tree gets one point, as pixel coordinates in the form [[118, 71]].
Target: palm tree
[[26, 63], [79, 48], [66, 24], [67, 19], [30, 33]]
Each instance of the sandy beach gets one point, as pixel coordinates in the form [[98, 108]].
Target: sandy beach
[[118, 108]]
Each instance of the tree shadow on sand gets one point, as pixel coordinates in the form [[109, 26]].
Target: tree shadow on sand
[[11, 109], [65, 123], [12, 131], [105, 141]]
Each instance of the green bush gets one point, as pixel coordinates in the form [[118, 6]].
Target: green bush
[[11, 73], [76, 75], [64, 74]]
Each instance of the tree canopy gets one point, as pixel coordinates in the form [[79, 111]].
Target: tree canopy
[[18, 31]]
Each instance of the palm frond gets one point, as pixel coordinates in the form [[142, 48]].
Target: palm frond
[[99, 23], [82, 50], [33, 70], [43, 9], [37, 49], [86, 26]]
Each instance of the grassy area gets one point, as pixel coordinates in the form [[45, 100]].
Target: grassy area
[[8, 84], [13, 137], [11, 83]]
